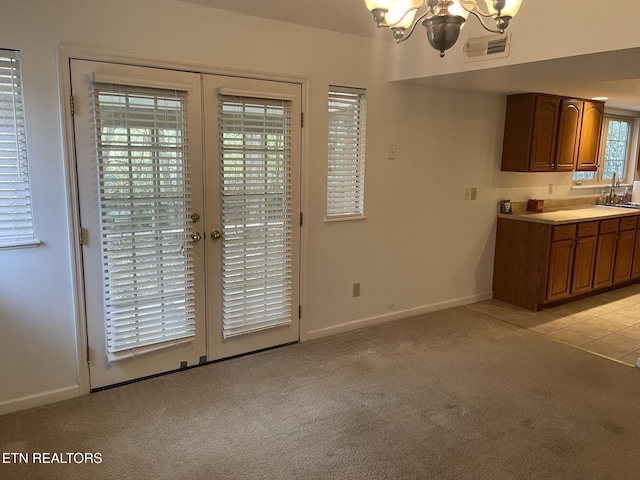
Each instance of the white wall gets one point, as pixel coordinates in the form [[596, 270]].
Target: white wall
[[542, 30], [422, 246]]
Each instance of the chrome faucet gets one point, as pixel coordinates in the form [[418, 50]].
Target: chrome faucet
[[612, 193]]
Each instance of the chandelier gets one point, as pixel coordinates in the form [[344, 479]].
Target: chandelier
[[443, 19]]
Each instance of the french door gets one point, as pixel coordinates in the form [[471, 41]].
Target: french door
[[189, 200]]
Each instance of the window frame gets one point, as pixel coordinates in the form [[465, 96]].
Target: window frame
[[354, 104], [630, 157], [15, 133]]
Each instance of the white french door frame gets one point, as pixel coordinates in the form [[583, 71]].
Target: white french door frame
[[65, 55]]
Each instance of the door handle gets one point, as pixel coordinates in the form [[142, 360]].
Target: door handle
[[196, 237], [215, 235]]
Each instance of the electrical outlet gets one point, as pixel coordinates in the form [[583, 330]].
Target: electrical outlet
[[355, 290], [474, 193], [466, 193]]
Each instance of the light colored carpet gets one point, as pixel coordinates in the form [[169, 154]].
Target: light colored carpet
[[450, 395]]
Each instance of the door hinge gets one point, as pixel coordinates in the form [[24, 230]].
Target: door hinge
[[88, 355], [81, 238], [301, 219], [301, 119], [72, 105], [299, 312]]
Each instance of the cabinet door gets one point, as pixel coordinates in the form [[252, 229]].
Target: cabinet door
[[568, 135], [605, 254], [543, 141], [624, 256], [560, 266], [635, 268], [592, 115], [583, 265]]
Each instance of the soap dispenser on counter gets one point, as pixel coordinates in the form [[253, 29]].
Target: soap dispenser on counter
[[603, 198]]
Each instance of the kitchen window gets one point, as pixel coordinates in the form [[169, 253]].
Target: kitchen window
[[16, 220], [346, 145], [616, 153]]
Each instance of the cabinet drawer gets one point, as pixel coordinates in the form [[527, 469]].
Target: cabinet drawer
[[628, 223], [563, 232], [610, 225], [587, 229]]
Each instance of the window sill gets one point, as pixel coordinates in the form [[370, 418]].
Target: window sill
[[599, 186], [345, 218], [20, 244]]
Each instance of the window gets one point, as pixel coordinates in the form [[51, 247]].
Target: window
[[145, 204], [16, 221], [257, 197], [615, 153], [345, 176]]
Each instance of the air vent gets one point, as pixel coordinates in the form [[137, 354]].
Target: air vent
[[485, 48]]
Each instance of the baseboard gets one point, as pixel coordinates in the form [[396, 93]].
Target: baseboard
[[40, 399], [390, 317], [67, 393]]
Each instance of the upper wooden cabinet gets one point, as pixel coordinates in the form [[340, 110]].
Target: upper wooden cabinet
[[592, 118], [548, 133], [568, 143]]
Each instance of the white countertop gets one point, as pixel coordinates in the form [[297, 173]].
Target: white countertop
[[571, 215]]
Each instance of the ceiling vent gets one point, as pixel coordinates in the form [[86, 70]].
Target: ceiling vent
[[485, 48]]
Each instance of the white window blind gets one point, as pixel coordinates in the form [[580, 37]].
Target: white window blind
[[145, 205], [16, 222], [347, 134], [256, 196]]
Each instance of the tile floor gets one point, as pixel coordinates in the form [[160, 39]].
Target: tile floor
[[607, 324]]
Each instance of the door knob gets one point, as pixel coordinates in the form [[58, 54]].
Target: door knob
[[215, 235], [196, 236]]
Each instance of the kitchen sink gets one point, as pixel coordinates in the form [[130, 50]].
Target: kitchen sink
[[635, 205]]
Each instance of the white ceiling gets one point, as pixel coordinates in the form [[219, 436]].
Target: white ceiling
[[612, 74], [353, 16]]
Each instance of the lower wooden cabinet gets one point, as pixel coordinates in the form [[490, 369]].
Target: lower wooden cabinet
[[605, 255], [623, 264], [635, 263], [584, 259], [560, 268], [537, 264]]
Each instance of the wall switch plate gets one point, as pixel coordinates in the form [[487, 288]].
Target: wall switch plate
[[474, 193], [355, 290], [550, 189]]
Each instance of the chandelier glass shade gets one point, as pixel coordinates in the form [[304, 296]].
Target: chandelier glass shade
[[442, 19]]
